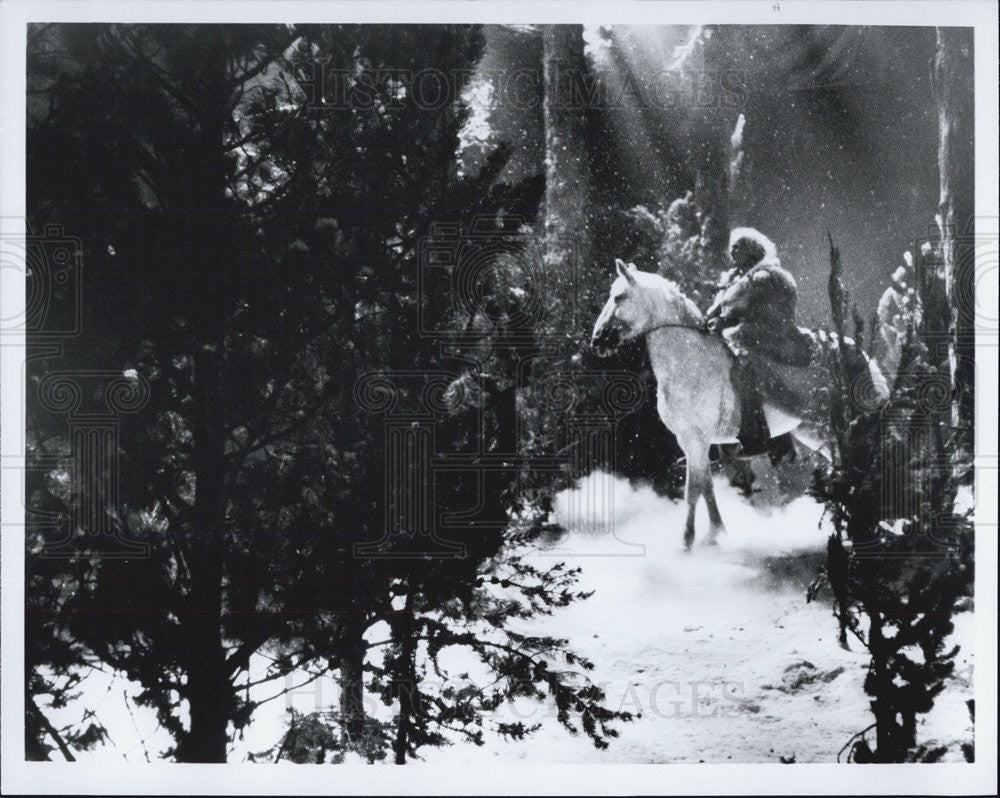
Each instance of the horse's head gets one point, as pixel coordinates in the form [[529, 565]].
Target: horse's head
[[631, 310]]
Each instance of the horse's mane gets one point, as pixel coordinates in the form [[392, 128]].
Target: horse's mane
[[687, 310]]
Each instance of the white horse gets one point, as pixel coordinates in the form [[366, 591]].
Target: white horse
[[695, 397]]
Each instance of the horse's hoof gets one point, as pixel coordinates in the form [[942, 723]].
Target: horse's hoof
[[714, 534]]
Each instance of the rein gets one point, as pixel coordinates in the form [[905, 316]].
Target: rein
[[702, 329]]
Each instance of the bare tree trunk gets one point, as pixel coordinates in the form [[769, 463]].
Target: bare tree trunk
[[955, 97], [567, 167], [713, 129]]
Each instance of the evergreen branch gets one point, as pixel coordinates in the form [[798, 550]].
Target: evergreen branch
[[51, 730]]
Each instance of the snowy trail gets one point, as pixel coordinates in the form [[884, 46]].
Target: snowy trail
[[716, 649]]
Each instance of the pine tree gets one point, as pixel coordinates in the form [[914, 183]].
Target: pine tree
[[148, 116], [900, 557], [273, 243]]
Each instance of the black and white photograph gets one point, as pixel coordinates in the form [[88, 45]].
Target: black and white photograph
[[495, 389]]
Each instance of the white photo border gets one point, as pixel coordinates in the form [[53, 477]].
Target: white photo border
[[20, 776]]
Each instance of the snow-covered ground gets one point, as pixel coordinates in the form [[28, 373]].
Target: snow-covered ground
[[716, 650]]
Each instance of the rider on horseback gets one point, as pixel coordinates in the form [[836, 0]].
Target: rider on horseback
[[755, 310]]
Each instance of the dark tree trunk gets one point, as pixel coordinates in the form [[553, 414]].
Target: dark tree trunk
[[208, 684], [406, 680], [712, 190], [883, 707], [210, 692], [955, 96], [352, 682]]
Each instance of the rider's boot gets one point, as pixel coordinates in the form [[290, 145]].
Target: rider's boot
[[782, 449], [754, 434]]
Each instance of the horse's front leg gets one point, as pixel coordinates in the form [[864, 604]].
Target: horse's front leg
[[692, 492], [714, 516], [699, 477]]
